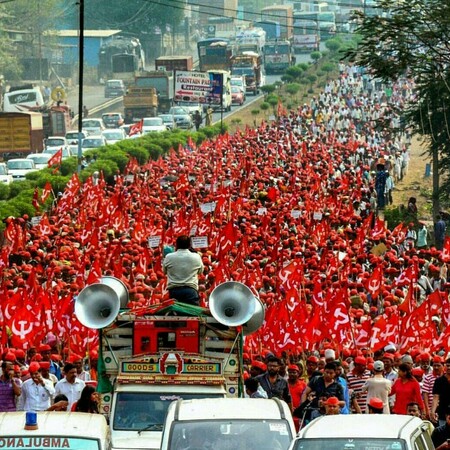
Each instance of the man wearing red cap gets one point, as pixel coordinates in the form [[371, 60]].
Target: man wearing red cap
[[296, 387], [9, 387], [428, 383], [37, 392], [45, 350], [356, 379], [375, 406], [312, 364]]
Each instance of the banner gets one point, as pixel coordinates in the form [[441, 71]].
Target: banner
[[192, 86]]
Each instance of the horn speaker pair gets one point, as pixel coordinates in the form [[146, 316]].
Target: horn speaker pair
[[233, 304], [98, 304]]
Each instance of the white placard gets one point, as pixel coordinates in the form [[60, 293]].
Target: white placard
[[36, 220], [261, 211], [296, 213], [199, 241], [317, 215], [154, 241], [208, 207], [193, 230]]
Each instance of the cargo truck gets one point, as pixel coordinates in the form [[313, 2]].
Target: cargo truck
[[21, 133], [249, 64], [171, 63], [140, 100]]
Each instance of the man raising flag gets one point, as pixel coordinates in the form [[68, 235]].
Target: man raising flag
[[136, 128], [55, 160]]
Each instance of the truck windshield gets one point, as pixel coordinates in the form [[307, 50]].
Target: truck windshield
[[138, 410], [159, 83], [349, 444], [231, 434], [242, 71], [56, 443]]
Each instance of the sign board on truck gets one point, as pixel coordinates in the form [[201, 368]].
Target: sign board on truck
[[192, 86]]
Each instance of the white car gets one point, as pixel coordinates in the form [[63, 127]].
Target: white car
[[5, 176], [40, 159], [72, 137], [153, 124], [55, 143], [364, 431], [113, 135], [93, 126], [93, 142], [66, 152], [19, 167]]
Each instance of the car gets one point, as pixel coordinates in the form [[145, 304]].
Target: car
[[126, 128], [5, 176], [240, 83], [55, 142], [190, 107], [364, 431], [237, 97], [182, 117], [19, 167], [113, 120], [114, 88], [40, 159], [93, 142], [66, 152], [72, 137], [114, 135], [152, 124], [93, 126], [169, 121], [250, 423]]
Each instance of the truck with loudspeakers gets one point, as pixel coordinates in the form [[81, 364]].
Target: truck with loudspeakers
[[163, 353]]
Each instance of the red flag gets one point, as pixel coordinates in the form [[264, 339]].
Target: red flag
[[56, 159], [46, 192], [363, 338], [445, 255], [374, 283], [408, 304], [35, 201], [136, 128], [384, 332]]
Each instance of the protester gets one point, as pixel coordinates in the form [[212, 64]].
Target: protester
[[10, 387], [406, 390], [37, 392], [376, 406], [88, 401], [70, 385], [441, 396], [356, 380], [378, 387], [182, 268], [251, 388]]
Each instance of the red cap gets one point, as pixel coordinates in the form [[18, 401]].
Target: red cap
[[34, 367], [19, 353], [259, 365], [424, 356], [293, 367], [417, 371], [10, 356], [332, 401], [376, 403], [437, 359], [313, 359], [360, 360], [45, 365], [389, 356], [45, 348]]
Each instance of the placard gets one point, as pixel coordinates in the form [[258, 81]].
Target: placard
[[208, 207], [317, 215], [199, 241], [296, 213], [154, 241], [261, 211]]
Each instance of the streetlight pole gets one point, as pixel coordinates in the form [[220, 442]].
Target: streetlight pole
[[80, 80]]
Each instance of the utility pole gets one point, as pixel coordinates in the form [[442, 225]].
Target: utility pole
[[80, 80]]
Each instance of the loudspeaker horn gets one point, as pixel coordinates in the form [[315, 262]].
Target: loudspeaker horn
[[256, 320], [232, 303], [119, 287], [97, 306]]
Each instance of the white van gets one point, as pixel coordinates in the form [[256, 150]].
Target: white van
[[364, 431], [22, 100], [228, 423], [54, 430]]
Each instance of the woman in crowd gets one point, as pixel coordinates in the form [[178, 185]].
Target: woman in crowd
[[88, 401], [406, 389]]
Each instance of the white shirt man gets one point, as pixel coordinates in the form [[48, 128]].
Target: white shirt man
[[37, 392], [70, 385]]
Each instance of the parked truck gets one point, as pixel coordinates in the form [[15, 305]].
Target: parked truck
[[249, 64], [172, 63], [140, 100], [21, 133]]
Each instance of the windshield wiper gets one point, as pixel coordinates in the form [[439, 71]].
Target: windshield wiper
[[152, 427]]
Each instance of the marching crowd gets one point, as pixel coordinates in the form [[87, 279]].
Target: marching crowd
[[289, 208]]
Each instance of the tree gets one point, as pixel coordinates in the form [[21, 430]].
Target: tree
[[411, 38], [268, 88]]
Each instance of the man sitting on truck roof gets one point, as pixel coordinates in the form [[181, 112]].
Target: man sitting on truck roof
[[182, 268]]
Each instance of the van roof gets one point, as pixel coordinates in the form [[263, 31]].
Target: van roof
[[225, 408], [54, 423], [361, 426]]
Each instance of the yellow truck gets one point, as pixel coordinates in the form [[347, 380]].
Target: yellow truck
[[139, 101], [21, 133]]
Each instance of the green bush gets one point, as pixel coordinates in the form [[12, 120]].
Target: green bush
[[5, 191], [399, 214], [118, 156], [155, 151], [22, 207], [140, 153], [19, 186]]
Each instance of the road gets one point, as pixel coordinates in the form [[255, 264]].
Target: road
[[93, 96]]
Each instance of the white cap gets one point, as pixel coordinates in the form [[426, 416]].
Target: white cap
[[330, 354]]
